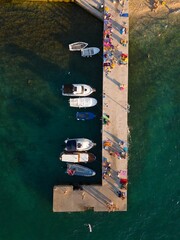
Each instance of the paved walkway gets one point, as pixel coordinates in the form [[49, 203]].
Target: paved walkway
[[115, 104], [92, 6], [116, 100]]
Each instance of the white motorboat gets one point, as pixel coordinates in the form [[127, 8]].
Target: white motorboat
[[77, 46], [82, 102], [78, 170], [89, 52], [79, 90], [77, 157], [78, 144]]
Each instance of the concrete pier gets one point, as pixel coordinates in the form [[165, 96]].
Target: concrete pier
[[93, 7], [115, 104]]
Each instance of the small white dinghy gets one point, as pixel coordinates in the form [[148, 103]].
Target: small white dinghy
[[77, 46], [77, 157], [82, 102], [78, 144], [79, 90], [89, 52]]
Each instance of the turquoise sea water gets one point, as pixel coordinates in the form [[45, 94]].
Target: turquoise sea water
[[35, 120]]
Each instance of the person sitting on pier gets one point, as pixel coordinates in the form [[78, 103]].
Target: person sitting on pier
[[122, 154], [122, 87], [123, 42], [124, 183], [121, 143], [106, 64], [121, 194], [155, 5], [104, 175], [123, 30], [106, 119]]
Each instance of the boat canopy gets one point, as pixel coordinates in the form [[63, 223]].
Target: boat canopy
[[70, 88], [84, 115], [71, 145]]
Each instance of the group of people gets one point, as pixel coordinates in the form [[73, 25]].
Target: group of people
[[156, 4], [120, 153], [106, 120], [123, 186], [109, 58], [112, 57], [106, 169], [111, 206], [123, 42], [122, 181], [124, 59]]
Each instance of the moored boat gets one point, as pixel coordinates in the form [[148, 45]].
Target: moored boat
[[89, 52], [77, 157], [78, 170], [85, 116], [78, 144], [77, 46], [82, 102], [79, 90]]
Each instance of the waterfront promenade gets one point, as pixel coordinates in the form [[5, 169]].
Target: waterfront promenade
[[93, 7], [115, 104]]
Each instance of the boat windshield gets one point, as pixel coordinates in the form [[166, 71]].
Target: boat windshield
[[79, 89], [79, 145]]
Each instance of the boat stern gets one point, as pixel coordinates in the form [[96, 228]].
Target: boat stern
[[93, 90]]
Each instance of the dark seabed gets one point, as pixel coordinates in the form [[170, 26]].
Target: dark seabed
[[36, 119]]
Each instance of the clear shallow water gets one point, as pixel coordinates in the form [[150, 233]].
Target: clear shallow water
[[35, 120]]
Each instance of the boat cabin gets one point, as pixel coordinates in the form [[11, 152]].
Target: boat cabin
[[71, 89], [72, 146]]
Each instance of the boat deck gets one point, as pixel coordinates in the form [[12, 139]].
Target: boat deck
[[87, 52], [115, 104]]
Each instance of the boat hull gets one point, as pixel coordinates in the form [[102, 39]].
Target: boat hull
[[77, 46], [77, 90], [78, 170], [77, 157], [85, 116], [78, 144], [89, 52], [82, 102]]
